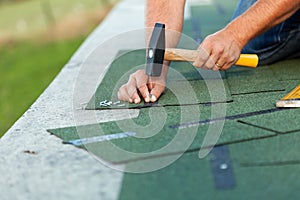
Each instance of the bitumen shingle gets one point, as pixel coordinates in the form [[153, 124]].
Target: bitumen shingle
[[262, 157]]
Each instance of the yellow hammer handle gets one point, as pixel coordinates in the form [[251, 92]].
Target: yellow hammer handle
[[248, 60], [172, 54]]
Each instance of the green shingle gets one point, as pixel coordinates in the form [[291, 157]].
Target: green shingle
[[263, 148], [283, 149], [246, 80], [287, 120], [162, 126], [286, 70], [191, 178]]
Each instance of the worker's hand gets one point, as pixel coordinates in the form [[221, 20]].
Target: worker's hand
[[150, 89], [218, 51]]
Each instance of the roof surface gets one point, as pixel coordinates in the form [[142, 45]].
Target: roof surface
[[256, 153]]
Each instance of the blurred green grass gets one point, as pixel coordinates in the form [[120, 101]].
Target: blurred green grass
[[37, 38], [26, 69], [35, 15]]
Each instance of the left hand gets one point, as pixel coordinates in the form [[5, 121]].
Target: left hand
[[218, 51]]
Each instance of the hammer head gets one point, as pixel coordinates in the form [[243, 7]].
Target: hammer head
[[156, 51]]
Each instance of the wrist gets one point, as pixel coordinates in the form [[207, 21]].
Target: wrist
[[241, 38]]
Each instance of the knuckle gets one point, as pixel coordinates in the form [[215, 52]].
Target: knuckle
[[220, 50], [131, 76], [232, 59], [197, 64], [123, 88], [140, 72]]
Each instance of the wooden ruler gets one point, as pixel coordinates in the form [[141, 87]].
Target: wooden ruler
[[291, 100]]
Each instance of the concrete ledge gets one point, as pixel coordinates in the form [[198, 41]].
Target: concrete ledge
[[57, 171], [34, 164]]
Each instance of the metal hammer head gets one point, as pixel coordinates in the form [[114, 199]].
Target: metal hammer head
[[156, 51]]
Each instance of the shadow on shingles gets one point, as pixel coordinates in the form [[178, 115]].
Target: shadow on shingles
[[286, 70]]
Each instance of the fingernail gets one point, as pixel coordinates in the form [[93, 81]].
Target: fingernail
[[147, 99], [153, 98], [136, 101]]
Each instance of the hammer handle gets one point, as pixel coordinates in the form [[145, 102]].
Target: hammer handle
[[172, 54]]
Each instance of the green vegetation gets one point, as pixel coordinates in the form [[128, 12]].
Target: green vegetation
[[26, 70], [37, 38], [17, 19]]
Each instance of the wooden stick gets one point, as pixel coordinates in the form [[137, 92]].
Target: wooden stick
[[172, 54], [291, 100]]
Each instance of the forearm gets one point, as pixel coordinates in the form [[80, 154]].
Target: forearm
[[168, 12], [263, 15]]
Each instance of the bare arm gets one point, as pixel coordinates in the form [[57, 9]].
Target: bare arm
[[169, 12], [263, 15], [224, 47]]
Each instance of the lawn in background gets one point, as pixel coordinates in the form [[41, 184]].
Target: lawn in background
[[26, 70], [36, 15], [37, 38]]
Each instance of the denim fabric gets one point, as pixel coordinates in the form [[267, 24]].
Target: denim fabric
[[279, 43]]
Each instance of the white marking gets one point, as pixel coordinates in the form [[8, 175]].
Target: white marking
[[105, 103], [288, 104], [101, 138], [150, 53], [223, 166], [117, 102]]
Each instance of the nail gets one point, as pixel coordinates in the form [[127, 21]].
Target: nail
[[136, 101]]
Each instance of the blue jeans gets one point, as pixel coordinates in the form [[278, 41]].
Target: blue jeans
[[279, 43]]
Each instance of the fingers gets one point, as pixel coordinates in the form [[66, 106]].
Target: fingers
[[209, 56], [218, 51], [141, 79], [156, 92], [127, 92], [216, 60], [137, 83], [145, 93], [225, 62], [202, 58], [157, 87]]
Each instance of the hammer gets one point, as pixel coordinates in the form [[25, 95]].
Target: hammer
[[157, 53]]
